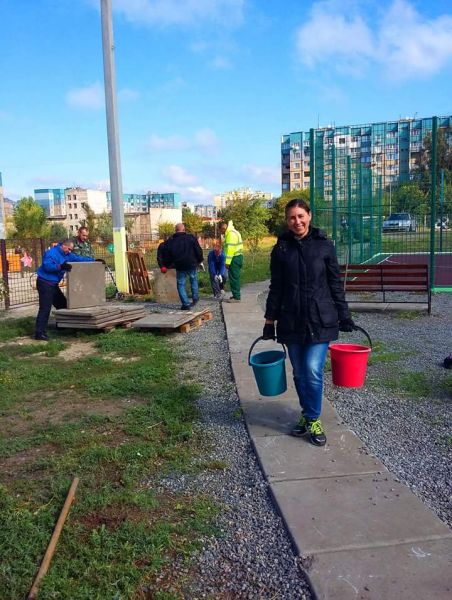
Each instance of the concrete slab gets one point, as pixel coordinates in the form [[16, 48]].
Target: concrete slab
[[164, 286], [85, 285], [287, 458], [357, 306], [169, 320], [352, 512], [416, 570]]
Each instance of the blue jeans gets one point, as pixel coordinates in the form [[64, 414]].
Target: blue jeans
[[181, 276], [308, 362]]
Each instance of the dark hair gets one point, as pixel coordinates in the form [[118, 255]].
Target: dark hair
[[83, 227], [67, 241], [297, 202]]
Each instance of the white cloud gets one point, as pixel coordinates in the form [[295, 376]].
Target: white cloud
[[204, 141], [227, 13], [179, 176], [128, 95], [262, 175], [403, 43], [90, 97], [171, 143], [221, 63]]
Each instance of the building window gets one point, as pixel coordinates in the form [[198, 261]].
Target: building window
[[75, 197], [70, 216], [76, 217], [69, 197], [297, 154], [75, 205], [296, 186], [296, 165], [69, 205], [296, 175], [341, 140]]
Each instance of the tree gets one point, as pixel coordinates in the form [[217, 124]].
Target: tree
[[249, 216], [57, 232], [193, 223], [166, 229], [104, 225], [30, 219], [90, 219], [409, 197], [277, 221], [422, 171]]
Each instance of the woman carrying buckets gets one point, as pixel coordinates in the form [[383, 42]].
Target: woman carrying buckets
[[307, 301]]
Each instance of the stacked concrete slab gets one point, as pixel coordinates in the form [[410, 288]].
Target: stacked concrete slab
[[97, 317]]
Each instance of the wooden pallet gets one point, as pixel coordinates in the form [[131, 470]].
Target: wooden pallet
[[195, 323], [182, 321], [138, 274]]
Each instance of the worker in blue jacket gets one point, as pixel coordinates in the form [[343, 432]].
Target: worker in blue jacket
[[55, 263], [217, 270]]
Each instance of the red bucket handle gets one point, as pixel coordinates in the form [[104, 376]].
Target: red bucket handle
[[258, 340], [358, 328]]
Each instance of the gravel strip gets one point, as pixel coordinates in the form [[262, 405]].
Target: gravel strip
[[253, 558], [410, 431]]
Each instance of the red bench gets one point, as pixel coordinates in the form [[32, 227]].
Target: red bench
[[386, 277]]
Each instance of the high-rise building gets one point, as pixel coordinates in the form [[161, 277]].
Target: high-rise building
[[384, 152], [51, 200], [141, 203], [207, 211], [222, 200]]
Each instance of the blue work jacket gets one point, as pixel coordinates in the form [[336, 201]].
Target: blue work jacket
[[51, 270]]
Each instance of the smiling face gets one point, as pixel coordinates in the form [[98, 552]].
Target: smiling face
[[83, 234], [298, 220]]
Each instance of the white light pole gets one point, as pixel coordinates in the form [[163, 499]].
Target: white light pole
[[114, 157]]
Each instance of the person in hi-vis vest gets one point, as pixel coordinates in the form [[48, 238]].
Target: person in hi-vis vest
[[233, 251]]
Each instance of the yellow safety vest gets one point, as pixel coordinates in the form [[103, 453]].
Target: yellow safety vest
[[233, 245]]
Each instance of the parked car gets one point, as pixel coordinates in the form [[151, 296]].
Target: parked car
[[399, 222], [442, 223]]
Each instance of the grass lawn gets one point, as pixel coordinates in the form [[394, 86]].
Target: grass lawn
[[110, 409]]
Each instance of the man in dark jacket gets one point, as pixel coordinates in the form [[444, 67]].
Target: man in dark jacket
[[307, 301], [183, 250], [56, 261]]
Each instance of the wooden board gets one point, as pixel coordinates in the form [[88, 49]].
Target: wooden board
[[173, 321]]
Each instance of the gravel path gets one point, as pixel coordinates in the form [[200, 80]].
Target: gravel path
[[253, 557]]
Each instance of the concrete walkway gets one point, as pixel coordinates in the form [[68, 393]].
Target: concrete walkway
[[361, 533]]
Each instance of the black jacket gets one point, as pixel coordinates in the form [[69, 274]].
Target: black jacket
[[306, 294], [183, 250]]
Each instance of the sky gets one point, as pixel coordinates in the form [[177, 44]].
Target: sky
[[206, 88]]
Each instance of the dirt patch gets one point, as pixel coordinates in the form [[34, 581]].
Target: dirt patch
[[78, 350], [13, 466], [55, 408]]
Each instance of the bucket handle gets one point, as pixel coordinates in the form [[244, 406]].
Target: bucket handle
[[358, 328], [258, 340]]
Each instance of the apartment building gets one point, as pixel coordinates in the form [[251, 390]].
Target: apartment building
[[222, 200], [51, 200], [383, 152], [142, 203]]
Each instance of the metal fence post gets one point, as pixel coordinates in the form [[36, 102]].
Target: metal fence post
[[433, 202], [5, 278]]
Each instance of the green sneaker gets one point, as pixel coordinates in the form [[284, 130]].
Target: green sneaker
[[301, 428], [317, 435]]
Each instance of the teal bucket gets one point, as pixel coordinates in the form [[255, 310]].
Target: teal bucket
[[269, 370]]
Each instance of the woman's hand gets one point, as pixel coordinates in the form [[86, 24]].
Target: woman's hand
[[268, 332], [347, 325]]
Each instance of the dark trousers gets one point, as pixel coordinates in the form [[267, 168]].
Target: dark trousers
[[48, 295]]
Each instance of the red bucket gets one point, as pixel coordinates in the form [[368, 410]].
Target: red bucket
[[349, 363]]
